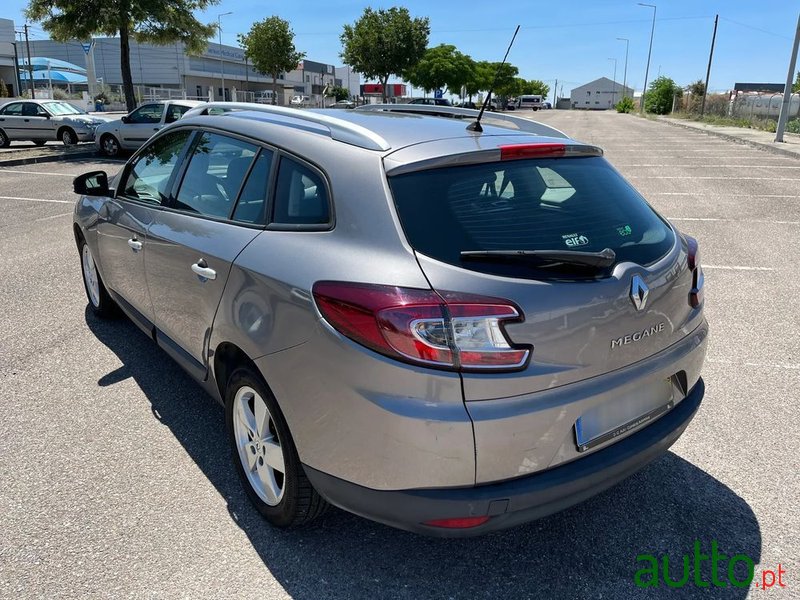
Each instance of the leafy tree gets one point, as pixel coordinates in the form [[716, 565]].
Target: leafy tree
[[535, 86], [506, 82], [480, 79], [442, 66], [338, 93], [270, 47], [625, 105], [697, 88], [385, 42], [660, 95], [796, 86], [150, 21]]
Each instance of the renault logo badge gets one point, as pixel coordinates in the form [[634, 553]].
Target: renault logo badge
[[639, 292]]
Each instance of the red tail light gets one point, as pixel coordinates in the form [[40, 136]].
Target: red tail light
[[451, 331], [698, 279]]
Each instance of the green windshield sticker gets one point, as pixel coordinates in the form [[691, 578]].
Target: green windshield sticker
[[624, 230]]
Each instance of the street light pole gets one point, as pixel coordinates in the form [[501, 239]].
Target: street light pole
[[221, 63], [625, 74], [649, 52], [614, 92]]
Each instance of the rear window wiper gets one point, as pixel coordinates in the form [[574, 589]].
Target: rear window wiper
[[602, 259]]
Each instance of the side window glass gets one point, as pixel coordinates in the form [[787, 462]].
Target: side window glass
[[12, 110], [253, 199], [216, 171], [300, 196], [175, 112], [40, 111], [149, 113], [150, 176]]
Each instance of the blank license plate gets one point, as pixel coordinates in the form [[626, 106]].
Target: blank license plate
[[623, 414]]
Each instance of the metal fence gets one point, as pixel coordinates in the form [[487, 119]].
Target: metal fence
[[759, 110]]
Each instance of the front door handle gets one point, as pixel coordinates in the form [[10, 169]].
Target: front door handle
[[135, 244], [202, 269]]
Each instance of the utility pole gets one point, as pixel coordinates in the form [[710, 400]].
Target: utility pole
[[649, 52], [625, 75], [787, 91], [708, 72], [221, 62], [614, 81], [555, 94], [30, 66]]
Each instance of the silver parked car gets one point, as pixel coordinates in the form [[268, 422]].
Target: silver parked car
[[133, 130], [41, 121], [445, 330]]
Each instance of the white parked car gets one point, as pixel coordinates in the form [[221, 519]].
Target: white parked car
[[133, 130], [41, 121]]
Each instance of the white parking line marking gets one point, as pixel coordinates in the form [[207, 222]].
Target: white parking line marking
[[735, 220], [38, 199], [736, 268], [723, 361], [37, 173], [704, 195], [694, 177], [749, 166], [53, 217]]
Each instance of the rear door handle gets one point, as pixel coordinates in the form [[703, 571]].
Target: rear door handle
[[202, 269], [135, 244]]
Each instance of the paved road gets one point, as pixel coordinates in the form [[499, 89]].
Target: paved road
[[116, 481]]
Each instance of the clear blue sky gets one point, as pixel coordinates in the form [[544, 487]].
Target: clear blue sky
[[568, 41]]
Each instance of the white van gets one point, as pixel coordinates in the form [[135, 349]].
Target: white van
[[533, 101]]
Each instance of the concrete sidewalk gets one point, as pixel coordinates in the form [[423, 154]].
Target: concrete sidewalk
[[763, 140]]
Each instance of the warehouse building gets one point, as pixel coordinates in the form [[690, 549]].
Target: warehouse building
[[600, 94]]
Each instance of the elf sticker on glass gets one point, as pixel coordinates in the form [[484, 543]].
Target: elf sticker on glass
[[624, 230], [573, 240]]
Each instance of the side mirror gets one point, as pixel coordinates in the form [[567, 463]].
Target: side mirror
[[125, 119], [94, 183]]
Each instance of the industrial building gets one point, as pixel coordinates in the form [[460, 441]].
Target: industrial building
[[600, 94]]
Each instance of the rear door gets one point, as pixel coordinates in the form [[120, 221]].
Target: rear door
[[11, 120], [192, 246], [141, 125], [580, 322]]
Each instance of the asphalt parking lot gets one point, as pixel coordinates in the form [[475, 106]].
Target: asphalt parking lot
[[117, 481]]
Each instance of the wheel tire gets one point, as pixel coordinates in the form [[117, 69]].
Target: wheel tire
[[4, 141], [100, 301], [286, 499], [109, 145], [39, 142], [68, 137]]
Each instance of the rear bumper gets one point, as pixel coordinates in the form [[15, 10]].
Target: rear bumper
[[514, 501]]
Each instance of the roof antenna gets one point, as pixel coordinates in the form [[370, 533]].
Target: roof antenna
[[476, 126]]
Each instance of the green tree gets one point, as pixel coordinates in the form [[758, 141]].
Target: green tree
[[697, 88], [270, 47], [506, 82], [480, 78], [535, 86], [385, 42], [338, 93], [660, 95], [796, 86], [625, 105], [151, 21], [440, 67]]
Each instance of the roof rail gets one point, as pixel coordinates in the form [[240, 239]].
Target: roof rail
[[340, 129], [491, 118]]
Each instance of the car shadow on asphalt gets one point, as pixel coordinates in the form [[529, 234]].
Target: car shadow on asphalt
[[588, 551]]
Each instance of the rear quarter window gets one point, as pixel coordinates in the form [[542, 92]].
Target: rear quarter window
[[538, 204]]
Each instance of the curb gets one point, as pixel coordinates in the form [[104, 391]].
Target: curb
[[733, 138], [46, 158]]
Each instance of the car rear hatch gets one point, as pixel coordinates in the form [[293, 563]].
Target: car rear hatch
[[505, 217]]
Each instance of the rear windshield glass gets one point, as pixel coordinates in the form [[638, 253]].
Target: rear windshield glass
[[539, 204]]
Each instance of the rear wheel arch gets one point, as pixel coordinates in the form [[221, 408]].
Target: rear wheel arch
[[227, 358]]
